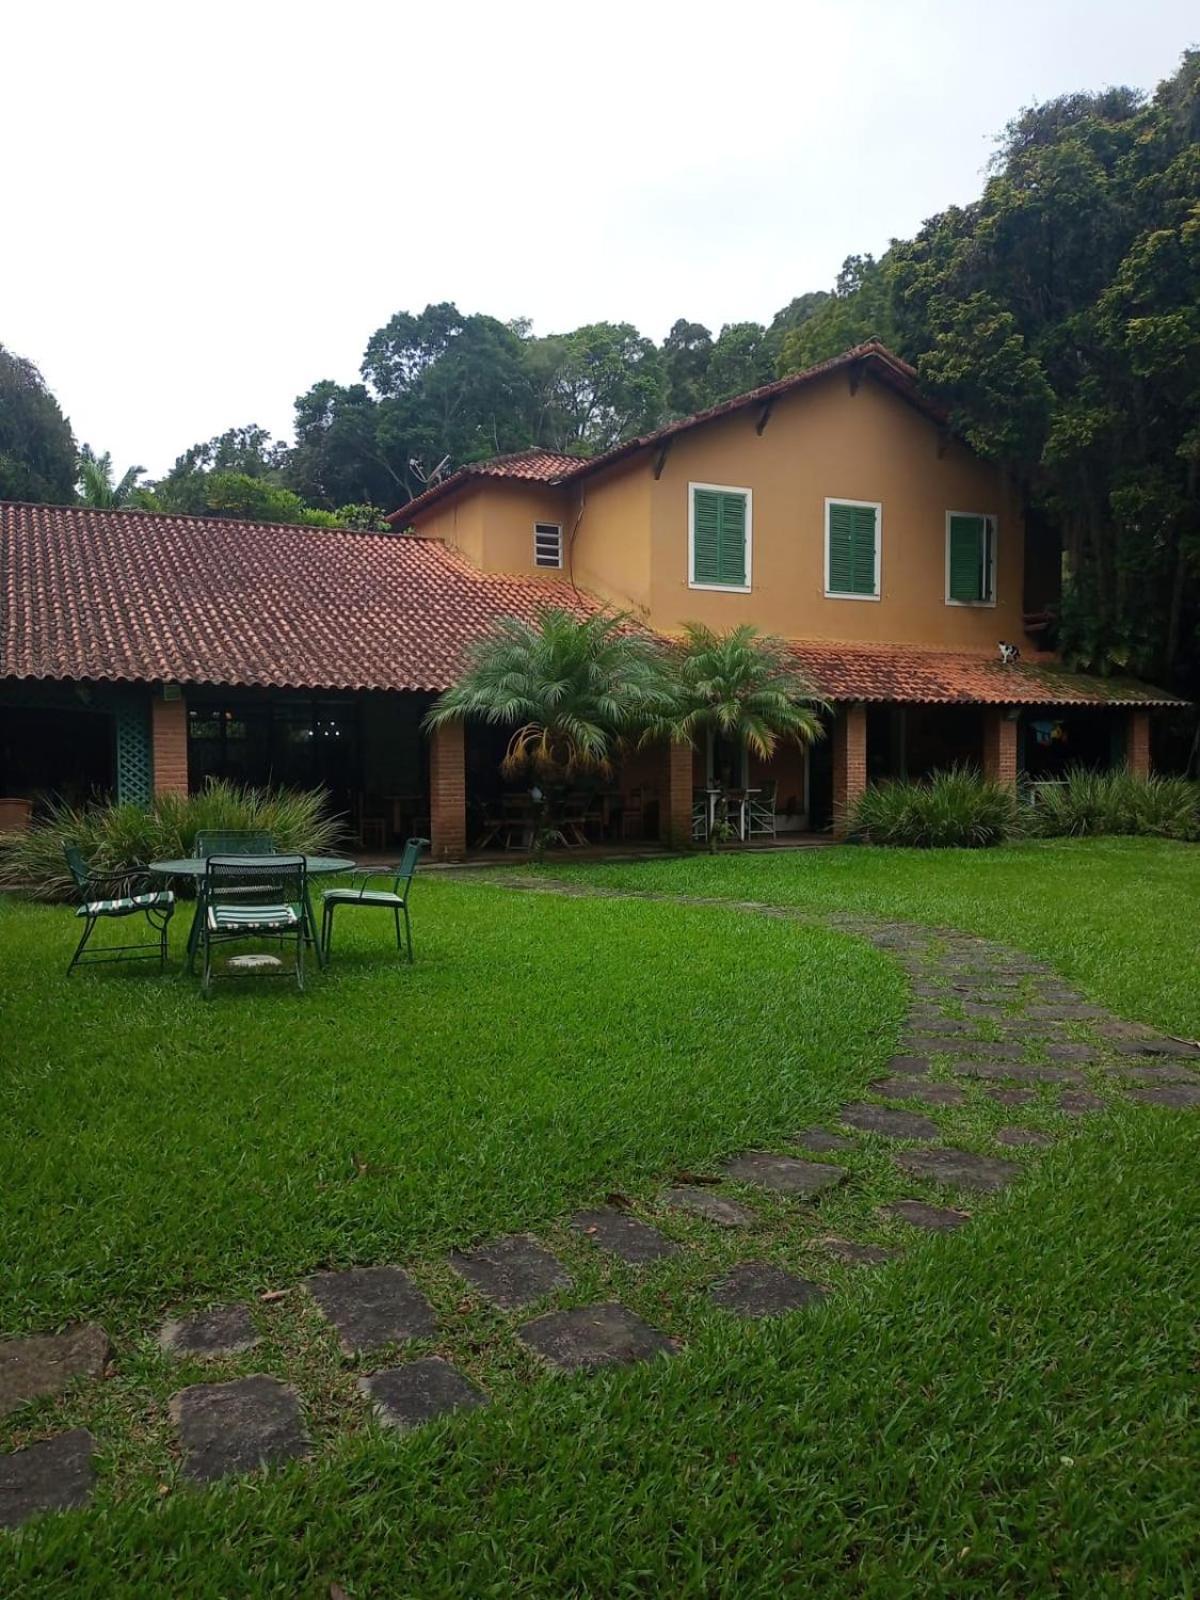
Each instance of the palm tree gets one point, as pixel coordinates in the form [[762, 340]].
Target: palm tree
[[743, 686], [96, 486], [570, 689]]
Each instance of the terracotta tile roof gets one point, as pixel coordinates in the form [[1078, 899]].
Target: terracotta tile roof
[[534, 465], [138, 596], [936, 677], [872, 357]]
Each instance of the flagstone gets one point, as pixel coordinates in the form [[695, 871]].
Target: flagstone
[[220, 1331], [237, 1427], [513, 1272], [406, 1396], [710, 1204], [372, 1306], [593, 1336], [888, 1121], [52, 1475], [785, 1174], [759, 1289], [961, 1169], [46, 1363], [634, 1241], [940, 1219]]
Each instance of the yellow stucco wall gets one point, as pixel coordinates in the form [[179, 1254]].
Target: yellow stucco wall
[[492, 524], [824, 442], [626, 533]]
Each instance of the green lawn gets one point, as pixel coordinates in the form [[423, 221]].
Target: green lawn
[[1006, 1411]]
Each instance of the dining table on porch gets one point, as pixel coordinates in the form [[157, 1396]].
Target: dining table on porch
[[196, 868]]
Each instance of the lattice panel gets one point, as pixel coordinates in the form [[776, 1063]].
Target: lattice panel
[[135, 760]]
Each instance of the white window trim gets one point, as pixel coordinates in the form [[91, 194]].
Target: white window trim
[[720, 488], [877, 507], [975, 605], [546, 566]]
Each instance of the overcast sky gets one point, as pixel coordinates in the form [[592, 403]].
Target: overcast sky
[[209, 207]]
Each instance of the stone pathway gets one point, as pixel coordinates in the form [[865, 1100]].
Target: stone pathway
[[1014, 1043]]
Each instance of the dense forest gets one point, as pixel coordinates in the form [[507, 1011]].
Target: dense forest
[[1058, 317]]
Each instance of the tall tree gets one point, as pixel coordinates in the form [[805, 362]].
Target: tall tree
[[596, 386], [37, 448], [97, 486], [686, 353]]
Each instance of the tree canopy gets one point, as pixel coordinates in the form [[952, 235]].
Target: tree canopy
[[37, 447]]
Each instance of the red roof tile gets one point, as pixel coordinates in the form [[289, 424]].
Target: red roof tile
[[138, 596], [872, 356], [941, 677], [534, 465]]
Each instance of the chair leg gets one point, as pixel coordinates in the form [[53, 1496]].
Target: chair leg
[[396, 918], [300, 960], [206, 974], [408, 934], [326, 929], [88, 925]]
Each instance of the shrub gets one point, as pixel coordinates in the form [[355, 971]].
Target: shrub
[[1087, 802], [118, 838], [956, 808]]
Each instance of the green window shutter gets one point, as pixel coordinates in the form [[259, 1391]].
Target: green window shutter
[[852, 535], [968, 559], [718, 537]]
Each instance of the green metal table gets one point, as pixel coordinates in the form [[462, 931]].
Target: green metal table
[[195, 867]]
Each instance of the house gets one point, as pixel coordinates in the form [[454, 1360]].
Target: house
[[141, 652]]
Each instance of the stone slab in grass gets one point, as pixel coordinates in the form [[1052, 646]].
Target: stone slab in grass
[[1174, 1097], [1157, 1047], [512, 1272], [1069, 1051], [851, 1253], [925, 1021], [53, 1475], [1066, 1013], [1012, 1097], [1168, 1074], [709, 1204], [372, 1306], [237, 1427], [1023, 1136], [919, 1214], [929, 1093], [888, 1121], [220, 1331], [959, 1169], [822, 1141], [983, 1049], [46, 1363], [634, 1241], [404, 1397], [758, 1289], [1078, 1102], [784, 1174], [593, 1336], [909, 1066], [1021, 1072]]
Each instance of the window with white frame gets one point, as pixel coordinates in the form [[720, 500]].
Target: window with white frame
[[547, 544], [719, 537], [970, 559], [852, 555]]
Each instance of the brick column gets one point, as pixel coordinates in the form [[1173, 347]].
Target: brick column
[[1000, 746], [168, 745], [849, 763], [677, 819], [448, 792], [1137, 743]]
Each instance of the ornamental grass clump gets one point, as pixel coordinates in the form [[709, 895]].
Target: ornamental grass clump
[[1086, 803], [955, 809], [121, 837]]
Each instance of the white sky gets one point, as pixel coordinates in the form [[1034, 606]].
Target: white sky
[[208, 207]]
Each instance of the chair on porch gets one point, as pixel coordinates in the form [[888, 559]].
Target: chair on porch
[[233, 842], [394, 899], [760, 814], [118, 895], [277, 910]]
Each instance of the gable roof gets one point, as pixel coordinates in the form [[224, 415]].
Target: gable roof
[[552, 468], [140, 596]]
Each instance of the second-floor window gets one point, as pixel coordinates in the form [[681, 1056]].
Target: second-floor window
[[852, 549], [719, 537], [970, 559], [547, 544]]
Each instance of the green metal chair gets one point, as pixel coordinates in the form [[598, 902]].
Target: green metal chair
[[222, 842], [115, 895], [233, 842], [278, 885], [394, 899]]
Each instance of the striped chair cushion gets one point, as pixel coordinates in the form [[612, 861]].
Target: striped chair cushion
[[252, 919], [157, 900], [351, 897]]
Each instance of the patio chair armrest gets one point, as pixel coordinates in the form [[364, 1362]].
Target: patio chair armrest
[[116, 885]]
